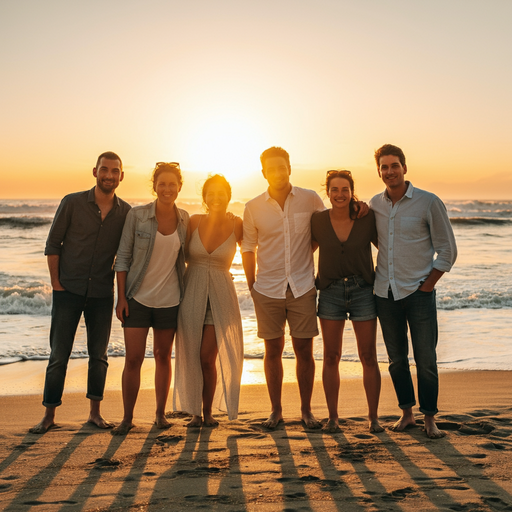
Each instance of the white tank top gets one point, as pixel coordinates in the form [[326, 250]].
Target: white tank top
[[160, 287]]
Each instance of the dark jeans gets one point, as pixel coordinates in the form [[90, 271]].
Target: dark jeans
[[418, 310], [67, 308]]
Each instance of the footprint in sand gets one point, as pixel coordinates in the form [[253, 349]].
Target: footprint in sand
[[102, 463], [168, 439], [476, 428]]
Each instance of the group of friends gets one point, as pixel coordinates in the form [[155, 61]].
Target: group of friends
[[173, 276]]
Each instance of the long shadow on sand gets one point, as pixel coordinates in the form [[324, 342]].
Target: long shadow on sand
[[28, 496]]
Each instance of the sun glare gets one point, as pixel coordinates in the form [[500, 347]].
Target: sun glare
[[226, 144]]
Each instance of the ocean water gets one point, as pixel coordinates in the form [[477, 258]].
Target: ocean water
[[474, 299]]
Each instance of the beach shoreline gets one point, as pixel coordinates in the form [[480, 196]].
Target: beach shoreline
[[241, 466]]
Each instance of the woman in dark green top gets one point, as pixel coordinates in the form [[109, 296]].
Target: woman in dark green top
[[345, 280]]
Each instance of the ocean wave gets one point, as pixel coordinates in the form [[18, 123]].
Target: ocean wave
[[482, 299], [470, 221], [25, 222], [32, 298]]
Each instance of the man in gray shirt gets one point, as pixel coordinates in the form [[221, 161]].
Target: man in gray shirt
[[413, 226], [80, 250]]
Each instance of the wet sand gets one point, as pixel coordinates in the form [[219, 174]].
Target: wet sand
[[241, 466]]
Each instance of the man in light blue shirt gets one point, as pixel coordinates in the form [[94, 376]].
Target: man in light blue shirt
[[413, 227]]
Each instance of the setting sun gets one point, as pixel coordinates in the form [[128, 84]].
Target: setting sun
[[224, 142]]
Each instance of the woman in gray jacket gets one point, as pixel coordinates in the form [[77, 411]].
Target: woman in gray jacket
[[150, 265]]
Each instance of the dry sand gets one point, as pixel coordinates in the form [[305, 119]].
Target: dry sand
[[241, 466]]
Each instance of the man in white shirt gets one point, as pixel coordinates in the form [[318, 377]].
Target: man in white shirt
[[412, 227], [277, 225]]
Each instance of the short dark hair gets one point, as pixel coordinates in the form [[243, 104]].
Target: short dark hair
[[109, 155], [216, 178], [346, 175], [389, 149], [272, 152], [160, 167]]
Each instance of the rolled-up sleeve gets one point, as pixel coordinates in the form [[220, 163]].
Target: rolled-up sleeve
[[125, 251], [59, 228], [250, 239], [443, 239]]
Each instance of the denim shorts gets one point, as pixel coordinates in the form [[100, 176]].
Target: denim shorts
[[143, 316], [349, 298]]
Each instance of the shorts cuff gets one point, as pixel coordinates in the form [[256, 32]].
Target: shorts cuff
[[335, 318], [307, 334], [270, 336], [364, 318]]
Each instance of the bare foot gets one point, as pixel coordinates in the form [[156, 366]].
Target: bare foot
[[100, 421], [272, 421], [309, 421], [122, 429], [196, 421], [331, 427], [431, 428], [407, 420], [375, 427], [43, 426], [162, 423], [210, 421]]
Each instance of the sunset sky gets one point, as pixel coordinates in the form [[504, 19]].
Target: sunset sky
[[212, 83]]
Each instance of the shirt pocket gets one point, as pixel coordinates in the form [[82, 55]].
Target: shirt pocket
[[302, 222], [142, 240], [411, 228]]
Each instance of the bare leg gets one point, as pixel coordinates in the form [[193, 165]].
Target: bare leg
[[162, 350], [135, 345], [209, 353], [303, 348], [366, 335], [46, 423], [95, 416], [274, 376], [431, 428], [405, 421], [332, 334]]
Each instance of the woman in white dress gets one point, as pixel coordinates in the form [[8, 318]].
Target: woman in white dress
[[150, 266], [209, 342]]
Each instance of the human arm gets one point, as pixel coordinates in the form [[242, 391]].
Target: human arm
[[249, 263], [122, 310], [441, 233], [124, 255], [249, 245], [430, 282], [362, 209], [239, 230], [53, 266]]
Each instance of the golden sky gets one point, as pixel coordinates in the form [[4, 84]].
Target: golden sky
[[212, 83]]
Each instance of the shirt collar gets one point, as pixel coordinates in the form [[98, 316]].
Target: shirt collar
[[91, 198], [408, 192], [152, 211], [267, 195]]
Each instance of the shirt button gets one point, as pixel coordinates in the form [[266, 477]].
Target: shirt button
[[346, 279]]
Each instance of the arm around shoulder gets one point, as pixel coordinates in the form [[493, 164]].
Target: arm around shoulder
[[239, 230]]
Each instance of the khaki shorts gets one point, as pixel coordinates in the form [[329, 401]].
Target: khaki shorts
[[272, 315]]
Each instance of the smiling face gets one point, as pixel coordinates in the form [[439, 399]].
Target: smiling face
[[340, 193], [167, 187], [216, 197], [277, 172], [108, 175], [392, 172]]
